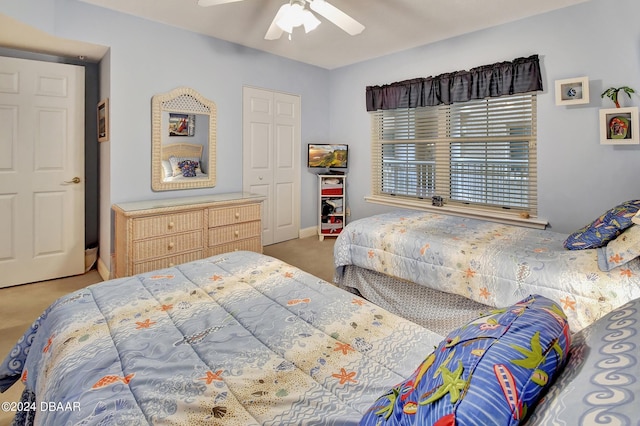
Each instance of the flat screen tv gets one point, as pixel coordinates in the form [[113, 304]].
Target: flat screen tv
[[328, 156]]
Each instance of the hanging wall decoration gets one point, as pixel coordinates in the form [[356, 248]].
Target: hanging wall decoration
[[619, 126], [103, 120], [572, 91]]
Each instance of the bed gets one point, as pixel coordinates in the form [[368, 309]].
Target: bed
[[402, 259], [235, 339], [182, 161], [244, 339]]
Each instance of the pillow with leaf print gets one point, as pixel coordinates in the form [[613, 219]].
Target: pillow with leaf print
[[605, 228], [623, 249], [491, 371]]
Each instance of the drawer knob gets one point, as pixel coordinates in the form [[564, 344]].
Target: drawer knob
[[236, 233], [237, 215], [171, 225], [171, 245]]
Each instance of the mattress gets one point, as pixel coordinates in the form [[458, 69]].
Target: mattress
[[235, 339], [491, 263]]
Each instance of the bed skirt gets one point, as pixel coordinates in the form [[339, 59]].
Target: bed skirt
[[433, 309]]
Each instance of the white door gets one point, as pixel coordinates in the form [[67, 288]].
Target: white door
[[41, 159], [271, 159]]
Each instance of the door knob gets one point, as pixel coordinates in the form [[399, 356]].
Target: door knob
[[74, 180]]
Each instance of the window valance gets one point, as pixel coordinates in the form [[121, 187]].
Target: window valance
[[521, 75]]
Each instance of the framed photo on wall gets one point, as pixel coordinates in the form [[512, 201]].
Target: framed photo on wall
[[572, 91], [619, 126], [103, 120]]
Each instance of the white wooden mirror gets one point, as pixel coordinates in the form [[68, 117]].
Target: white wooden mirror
[[183, 129]]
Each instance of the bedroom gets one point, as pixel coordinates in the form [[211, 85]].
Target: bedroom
[[578, 178]]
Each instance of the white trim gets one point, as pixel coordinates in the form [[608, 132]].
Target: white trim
[[474, 213], [308, 232], [103, 269]]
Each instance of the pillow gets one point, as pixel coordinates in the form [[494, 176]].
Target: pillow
[[636, 218], [600, 383], [624, 248], [175, 164], [166, 168], [605, 228], [188, 168], [490, 371]]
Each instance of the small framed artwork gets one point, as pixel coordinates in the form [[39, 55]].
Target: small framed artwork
[[572, 91], [619, 126], [182, 124], [103, 120]]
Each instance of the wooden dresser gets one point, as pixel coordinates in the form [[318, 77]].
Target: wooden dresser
[[158, 234]]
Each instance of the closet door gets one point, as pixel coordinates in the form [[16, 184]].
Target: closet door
[[271, 159]]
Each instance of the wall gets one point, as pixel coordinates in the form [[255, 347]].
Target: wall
[[147, 58], [578, 178]]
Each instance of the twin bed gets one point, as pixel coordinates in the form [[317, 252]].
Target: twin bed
[[242, 338], [400, 260], [236, 339]]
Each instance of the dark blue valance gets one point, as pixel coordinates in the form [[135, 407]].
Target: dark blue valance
[[521, 75]]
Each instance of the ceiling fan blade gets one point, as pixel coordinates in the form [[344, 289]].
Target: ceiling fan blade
[[275, 32], [205, 3], [335, 15]]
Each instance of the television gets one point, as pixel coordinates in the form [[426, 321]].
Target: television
[[327, 156]]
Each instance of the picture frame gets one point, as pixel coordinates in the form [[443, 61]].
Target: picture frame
[[182, 124], [619, 126], [572, 91], [103, 120]]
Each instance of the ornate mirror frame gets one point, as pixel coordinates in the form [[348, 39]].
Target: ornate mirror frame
[[182, 100]]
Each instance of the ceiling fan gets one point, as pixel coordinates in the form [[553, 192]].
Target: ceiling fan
[[294, 14]]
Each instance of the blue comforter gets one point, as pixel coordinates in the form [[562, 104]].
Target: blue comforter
[[492, 263], [235, 339]]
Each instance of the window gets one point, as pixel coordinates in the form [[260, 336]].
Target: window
[[479, 154]]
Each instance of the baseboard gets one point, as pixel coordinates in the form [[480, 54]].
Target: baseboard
[[308, 232], [103, 270]]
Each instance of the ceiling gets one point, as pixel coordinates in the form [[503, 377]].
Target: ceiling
[[391, 26]]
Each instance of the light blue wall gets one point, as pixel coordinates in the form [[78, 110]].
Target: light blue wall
[[577, 177]]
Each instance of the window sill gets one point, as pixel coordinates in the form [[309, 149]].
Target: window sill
[[470, 212]]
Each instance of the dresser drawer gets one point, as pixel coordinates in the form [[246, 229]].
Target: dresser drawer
[[229, 215], [165, 246], [166, 262], [229, 233], [156, 226], [250, 244]]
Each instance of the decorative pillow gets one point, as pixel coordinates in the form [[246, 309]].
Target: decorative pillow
[[624, 248], [188, 168], [490, 371], [605, 228], [175, 164], [601, 381]]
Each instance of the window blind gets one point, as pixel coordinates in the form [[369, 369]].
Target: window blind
[[480, 153]]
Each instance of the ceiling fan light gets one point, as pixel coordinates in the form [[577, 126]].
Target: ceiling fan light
[[295, 15], [309, 21]]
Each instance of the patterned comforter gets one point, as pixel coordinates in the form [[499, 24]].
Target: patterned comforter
[[491, 263], [235, 339]]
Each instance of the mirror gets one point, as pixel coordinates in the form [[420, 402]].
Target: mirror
[[183, 130]]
